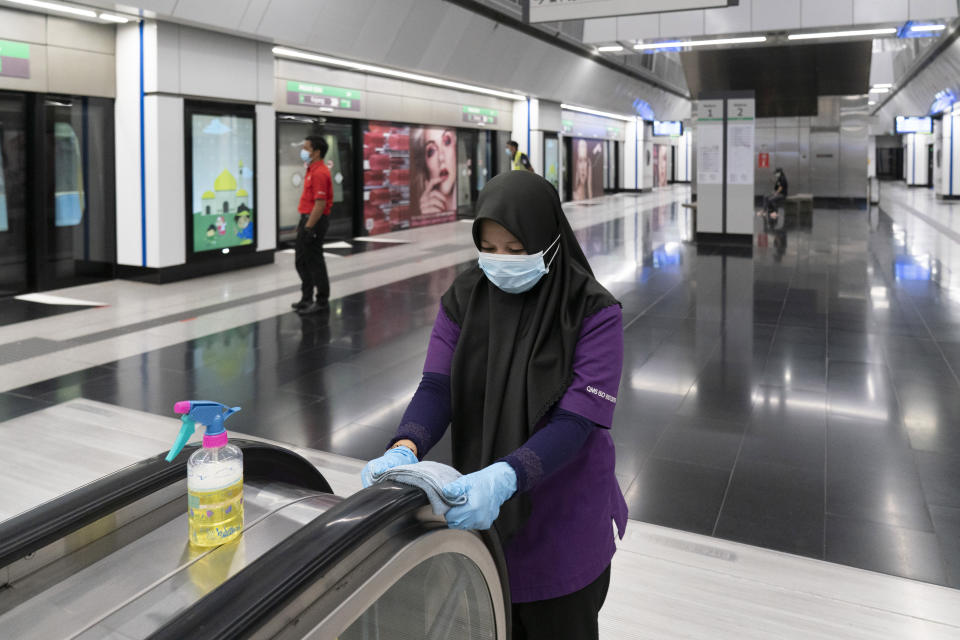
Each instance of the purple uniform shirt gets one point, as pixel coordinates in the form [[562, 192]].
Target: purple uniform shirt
[[568, 540]]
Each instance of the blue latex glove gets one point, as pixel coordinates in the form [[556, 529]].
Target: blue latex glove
[[486, 490], [392, 458]]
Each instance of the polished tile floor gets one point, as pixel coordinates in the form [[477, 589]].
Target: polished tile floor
[[800, 396]]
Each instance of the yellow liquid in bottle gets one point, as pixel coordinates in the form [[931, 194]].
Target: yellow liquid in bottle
[[215, 517]]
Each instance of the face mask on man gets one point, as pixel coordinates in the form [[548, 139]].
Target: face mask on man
[[304, 155], [516, 274]]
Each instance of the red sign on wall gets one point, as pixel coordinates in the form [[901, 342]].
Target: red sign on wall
[[763, 160]]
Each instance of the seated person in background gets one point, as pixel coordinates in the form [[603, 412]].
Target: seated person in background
[[772, 202]]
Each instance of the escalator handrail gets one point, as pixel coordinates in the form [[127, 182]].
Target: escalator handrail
[[248, 599], [34, 529]]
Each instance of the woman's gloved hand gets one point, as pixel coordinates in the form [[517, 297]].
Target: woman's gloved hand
[[392, 458], [485, 490]]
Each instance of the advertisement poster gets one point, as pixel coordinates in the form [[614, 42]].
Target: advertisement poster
[[587, 168], [551, 160], [222, 180], [409, 176]]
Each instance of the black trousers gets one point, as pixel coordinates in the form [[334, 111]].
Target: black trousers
[[772, 202], [570, 617], [308, 258]]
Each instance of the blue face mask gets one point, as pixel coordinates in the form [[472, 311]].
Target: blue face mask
[[516, 274], [304, 155]]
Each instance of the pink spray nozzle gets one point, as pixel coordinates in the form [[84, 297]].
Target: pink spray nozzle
[[182, 407], [214, 441]]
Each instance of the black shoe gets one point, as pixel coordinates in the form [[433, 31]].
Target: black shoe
[[302, 304], [314, 308]]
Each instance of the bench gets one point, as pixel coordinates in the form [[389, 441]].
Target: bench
[[798, 208]]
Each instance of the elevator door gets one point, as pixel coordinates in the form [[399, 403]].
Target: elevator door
[[825, 168]]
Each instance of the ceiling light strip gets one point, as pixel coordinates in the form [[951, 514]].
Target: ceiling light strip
[[610, 48], [928, 27], [842, 34], [594, 112], [673, 44], [284, 52], [109, 17], [56, 6]]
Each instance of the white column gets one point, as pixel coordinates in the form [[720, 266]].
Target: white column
[[266, 224], [521, 119], [165, 181], [126, 113], [950, 163], [632, 174]]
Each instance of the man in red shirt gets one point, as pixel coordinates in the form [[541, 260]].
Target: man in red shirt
[[315, 205]]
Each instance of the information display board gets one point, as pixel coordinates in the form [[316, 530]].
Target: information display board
[[710, 142], [667, 128], [740, 125], [222, 178], [914, 124], [409, 176]]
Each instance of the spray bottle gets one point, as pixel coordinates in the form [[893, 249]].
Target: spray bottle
[[214, 474]]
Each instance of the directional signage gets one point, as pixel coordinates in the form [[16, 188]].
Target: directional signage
[[555, 10], [306, 94], [479, 115], [14, 59]]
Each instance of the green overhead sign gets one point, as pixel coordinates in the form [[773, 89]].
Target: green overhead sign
[[14, 59], [479, 115], [326, 98]]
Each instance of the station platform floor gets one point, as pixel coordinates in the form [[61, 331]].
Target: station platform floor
[[783, 411]]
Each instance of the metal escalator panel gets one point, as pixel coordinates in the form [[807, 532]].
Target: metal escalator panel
[[125, 587]]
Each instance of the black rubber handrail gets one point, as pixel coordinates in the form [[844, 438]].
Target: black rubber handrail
[[58, 518], [252, 596]]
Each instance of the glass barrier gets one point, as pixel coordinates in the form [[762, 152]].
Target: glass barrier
[[442, 598]]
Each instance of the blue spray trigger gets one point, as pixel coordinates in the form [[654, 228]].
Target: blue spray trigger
[[209, 414]]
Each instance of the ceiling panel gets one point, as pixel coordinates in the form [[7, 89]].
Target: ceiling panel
[[226, 13], [736, 19], [638, 27], [870, 11], [380, 31], [349, 19], [923, 9], [772, 15], [600, 30], [253, 15], [825, 13], [681, 23], [787, 79], [292, 22]]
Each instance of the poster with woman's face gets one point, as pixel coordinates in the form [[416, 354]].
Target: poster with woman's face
[[587, 168], [433, 175], [409, 176]]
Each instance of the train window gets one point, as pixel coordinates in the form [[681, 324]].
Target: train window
[[68, 176], [442, 598]]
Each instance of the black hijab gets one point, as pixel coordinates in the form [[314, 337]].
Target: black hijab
[[514, 358]]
